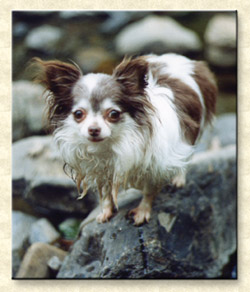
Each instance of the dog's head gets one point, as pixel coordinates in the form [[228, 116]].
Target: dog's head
[[96, 106]]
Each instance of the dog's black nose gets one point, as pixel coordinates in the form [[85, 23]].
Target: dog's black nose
[[94, 131]]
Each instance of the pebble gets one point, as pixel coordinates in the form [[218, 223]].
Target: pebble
[[54, 263]]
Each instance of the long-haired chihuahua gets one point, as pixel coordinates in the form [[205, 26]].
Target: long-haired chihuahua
[[135, 128]]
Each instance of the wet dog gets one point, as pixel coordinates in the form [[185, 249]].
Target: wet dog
[[135, 128]]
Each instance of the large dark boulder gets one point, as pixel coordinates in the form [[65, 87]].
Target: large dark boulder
[[192, 232]]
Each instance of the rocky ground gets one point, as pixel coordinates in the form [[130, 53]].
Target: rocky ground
[[192, 233]]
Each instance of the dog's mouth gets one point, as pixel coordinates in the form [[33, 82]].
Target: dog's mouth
[[95, 139]]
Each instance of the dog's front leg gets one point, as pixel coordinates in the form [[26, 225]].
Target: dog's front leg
[[107, 204], [179, 180], [142, 213]]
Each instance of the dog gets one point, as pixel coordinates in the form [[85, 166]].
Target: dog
[[136, 128]]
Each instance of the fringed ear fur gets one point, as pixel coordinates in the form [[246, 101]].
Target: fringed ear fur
[[56, 74], [131, 73], [58, 79], [208, 86]]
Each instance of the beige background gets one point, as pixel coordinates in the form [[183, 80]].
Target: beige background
[[243, 282]]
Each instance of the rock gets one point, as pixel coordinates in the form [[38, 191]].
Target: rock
[[191, 234], [220, 39], [20, 30], [68, 15], [35, 262], [28, 107], [54, 263], [118, 19], [218, 134], [73, 14], [125, 198], [39, 179], [43, 231], [44, 38], [21, 224], [156, 34], [226, 130]]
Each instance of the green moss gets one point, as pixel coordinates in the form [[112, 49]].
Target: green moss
[[69, 228]]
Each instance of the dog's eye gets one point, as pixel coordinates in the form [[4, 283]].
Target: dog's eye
[[79, 115], [113, 116]]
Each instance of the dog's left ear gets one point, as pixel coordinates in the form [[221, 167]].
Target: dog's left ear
[[131, 73]]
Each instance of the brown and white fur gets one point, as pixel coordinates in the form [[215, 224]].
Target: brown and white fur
[[135, 128]]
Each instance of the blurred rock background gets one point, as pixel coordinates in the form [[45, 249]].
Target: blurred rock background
[[96, 41]]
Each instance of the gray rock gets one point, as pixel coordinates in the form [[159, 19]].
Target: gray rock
[[222, 132], [220, 39], [156, 34], [74, 14], [20, 29], [226, 129], [43, 231], [125, 198], [21, 225], [35, 262], [191, 234], [39, 179], [27, 111], [44, 38], [69, 14], [118, 19]]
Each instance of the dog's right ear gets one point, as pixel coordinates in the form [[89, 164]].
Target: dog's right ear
[[57, 77]]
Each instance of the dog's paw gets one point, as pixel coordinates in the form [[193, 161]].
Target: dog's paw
[[179, 180], [105, 215], [140, 215]]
